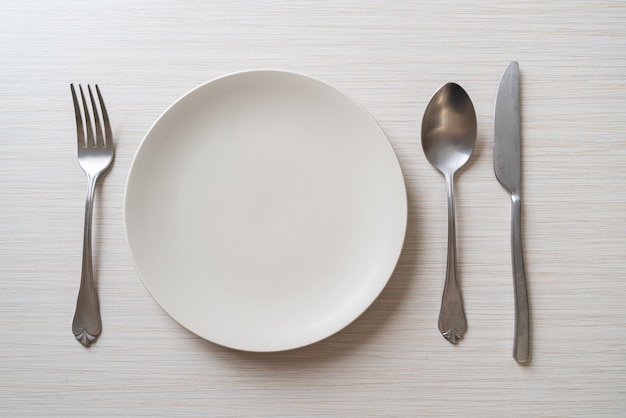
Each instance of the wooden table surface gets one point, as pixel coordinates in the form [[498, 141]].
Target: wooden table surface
[[390, 57]]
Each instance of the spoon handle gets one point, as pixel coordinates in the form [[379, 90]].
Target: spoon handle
[[452, 323], [521, 342]]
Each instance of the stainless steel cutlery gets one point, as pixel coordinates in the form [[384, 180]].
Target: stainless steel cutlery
[[448, 139], [95, 154], [507, 166]]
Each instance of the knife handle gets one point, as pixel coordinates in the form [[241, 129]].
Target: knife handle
[[521, 342]]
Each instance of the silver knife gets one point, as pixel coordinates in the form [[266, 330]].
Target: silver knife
[[507, 165]]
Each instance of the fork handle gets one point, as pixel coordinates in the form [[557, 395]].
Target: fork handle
[[87, 323]]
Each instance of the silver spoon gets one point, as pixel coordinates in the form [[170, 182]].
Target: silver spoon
[[448, 139]]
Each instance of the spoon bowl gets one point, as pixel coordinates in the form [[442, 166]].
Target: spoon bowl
[[449, 128], [448, 140]]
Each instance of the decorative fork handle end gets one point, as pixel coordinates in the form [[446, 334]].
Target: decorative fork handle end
[[85, 338], [87, 323], [86, 327]]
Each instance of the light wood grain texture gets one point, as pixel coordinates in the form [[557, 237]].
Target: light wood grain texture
[[390, 57]]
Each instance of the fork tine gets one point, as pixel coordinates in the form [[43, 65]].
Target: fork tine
[[90, 138], [80, 131], [96, 120], [105, 119]]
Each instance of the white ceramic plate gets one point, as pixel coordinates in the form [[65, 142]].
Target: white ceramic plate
[[265, 210]]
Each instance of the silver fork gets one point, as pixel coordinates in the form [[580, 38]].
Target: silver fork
[[95, 154]]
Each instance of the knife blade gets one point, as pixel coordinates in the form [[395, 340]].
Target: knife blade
[[507, 167]]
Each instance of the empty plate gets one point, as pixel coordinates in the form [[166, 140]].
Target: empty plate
[[265, 210]]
